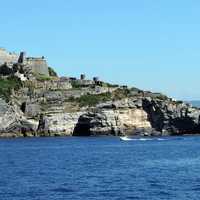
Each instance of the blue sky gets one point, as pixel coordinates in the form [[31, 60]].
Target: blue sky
[[150, 44]]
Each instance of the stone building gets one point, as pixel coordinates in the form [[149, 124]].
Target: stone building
[[37, 65], [82, 76], [95, 79], [34, 65]]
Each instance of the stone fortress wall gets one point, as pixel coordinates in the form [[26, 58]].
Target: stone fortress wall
[[8, 57], [38, 65]]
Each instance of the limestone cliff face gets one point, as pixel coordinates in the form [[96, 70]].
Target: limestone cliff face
[[60, 124], [112, 122], [172, 117], [14, 123], [143, 116], [113, 118], [129, 116], [131, 119]]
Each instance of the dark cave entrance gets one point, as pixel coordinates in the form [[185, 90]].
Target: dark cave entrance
[[23, 107], [82, 127]]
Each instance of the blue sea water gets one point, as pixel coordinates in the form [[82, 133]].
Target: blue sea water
[[100, 168]]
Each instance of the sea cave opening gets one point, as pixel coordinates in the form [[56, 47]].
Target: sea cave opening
[[82, 127]]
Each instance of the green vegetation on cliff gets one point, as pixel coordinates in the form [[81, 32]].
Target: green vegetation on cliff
[[7, 85], [92, 99], [52, 72], [75, 85], [42, 78], [121, 93]]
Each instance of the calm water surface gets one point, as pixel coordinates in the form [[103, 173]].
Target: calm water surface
[[99, 168]]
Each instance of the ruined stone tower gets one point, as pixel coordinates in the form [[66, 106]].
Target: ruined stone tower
[[37, 65], [22, 57]]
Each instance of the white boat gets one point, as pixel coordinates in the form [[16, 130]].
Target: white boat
[[125, 138]]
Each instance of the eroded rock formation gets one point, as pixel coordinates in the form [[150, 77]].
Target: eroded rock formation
[[130, 116]]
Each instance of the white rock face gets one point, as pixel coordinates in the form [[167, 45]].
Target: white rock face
[[61, 123], [120, 120], [13, 121], [133, 118], [8, 116], [20, 76], [103, 121]]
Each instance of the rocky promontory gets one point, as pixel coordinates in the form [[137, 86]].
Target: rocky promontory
[[34, 101]]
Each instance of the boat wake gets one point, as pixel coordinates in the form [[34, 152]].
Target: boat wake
[[125, 138]]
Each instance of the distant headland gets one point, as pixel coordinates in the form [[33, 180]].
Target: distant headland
[[34, 101]]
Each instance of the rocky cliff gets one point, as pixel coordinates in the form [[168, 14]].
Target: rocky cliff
[[144, 116], [66, 106]]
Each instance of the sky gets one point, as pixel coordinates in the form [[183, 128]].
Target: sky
[[150, 44]]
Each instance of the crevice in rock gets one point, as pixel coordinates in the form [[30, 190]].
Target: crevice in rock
[[155, 117]]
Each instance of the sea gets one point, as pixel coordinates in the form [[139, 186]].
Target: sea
[[100, 168]]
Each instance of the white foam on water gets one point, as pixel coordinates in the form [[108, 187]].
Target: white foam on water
[[147, 139], [161, 139]]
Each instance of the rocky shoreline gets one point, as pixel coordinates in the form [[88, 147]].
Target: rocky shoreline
[[130, 116]]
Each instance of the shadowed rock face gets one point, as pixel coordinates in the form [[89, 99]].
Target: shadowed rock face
[[171, 117], [185, 125]]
